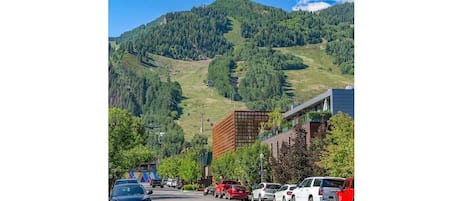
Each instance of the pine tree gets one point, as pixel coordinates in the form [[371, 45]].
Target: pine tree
[[280, 166], [298, 157]]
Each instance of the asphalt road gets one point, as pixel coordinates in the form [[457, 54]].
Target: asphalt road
[[173, 194]]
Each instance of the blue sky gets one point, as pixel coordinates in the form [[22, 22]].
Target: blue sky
[[124, 15]]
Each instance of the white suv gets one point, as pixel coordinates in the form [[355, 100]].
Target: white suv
[[265, 191], [312, 188]]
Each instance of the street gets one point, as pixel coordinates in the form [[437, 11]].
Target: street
[[170, 194]]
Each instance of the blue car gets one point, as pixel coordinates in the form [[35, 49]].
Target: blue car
[[130, 192]]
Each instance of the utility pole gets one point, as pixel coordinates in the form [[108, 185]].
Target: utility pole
[[261, 156], [202, 123]]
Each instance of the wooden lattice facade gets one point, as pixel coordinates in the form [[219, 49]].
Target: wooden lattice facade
[[237, 129]]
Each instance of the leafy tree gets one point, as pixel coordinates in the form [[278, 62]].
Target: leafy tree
[[189, 169], [249, 161], [338, 158], [224, 167], [169, 167], [126, 143], [136, 155], [274, 122], [243, 164]]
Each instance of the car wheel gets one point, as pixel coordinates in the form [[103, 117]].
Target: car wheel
[[259, 198], [283, 199], [293, 198], [228, 197], [310, 198], [216, 195]]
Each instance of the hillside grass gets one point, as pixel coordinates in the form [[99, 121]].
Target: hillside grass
[[320, 75], [234, 35], [198, 97]]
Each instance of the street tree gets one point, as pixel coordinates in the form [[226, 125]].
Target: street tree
[[280, 166], [299, 157], [126, 143], [189, 169], [169, 167], [316, 147], [338, 158]]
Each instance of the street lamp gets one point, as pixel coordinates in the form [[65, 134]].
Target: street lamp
[[261, 156]]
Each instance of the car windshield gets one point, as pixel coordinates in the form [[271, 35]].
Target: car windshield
[[127, 190], [332, 183], [292, 188], [273, 186], [230, 182]]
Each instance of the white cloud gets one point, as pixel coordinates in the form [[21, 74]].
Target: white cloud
[[343, 1], [314, 6]]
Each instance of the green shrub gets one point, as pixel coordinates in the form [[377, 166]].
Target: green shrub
[[190, 187]]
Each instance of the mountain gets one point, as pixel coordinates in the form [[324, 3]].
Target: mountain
[[257, 57]]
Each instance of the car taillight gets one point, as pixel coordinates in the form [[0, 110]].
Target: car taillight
[[289, 192], [320, 191]]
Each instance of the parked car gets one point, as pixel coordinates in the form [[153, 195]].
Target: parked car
[[284, 193], [173, 183], [130, 192], [169, 182], [209, 190], [156, 182], [265, 191], [313, 188], [125, 181], [220, 189], [238, 192], [346, 192]]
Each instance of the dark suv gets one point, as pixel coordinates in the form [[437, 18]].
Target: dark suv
[[156, 182]]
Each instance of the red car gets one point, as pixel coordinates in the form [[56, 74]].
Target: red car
[[237, 192], [346, 192], [222, 187]]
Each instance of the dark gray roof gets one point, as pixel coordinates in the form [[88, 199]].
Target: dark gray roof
[[307, 104]]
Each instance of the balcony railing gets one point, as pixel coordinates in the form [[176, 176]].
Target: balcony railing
[[286, 126]]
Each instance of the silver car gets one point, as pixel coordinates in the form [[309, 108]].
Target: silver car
[[265, 191], [285, 192]]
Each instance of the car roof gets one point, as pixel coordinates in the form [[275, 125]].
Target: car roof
[[325, 178], [130, 184], [126, 179]]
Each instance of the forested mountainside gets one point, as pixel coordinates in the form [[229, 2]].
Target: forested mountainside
[[252, 72], [198, 33]]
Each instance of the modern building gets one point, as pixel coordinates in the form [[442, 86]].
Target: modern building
[[310, 115], [239, 128]]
